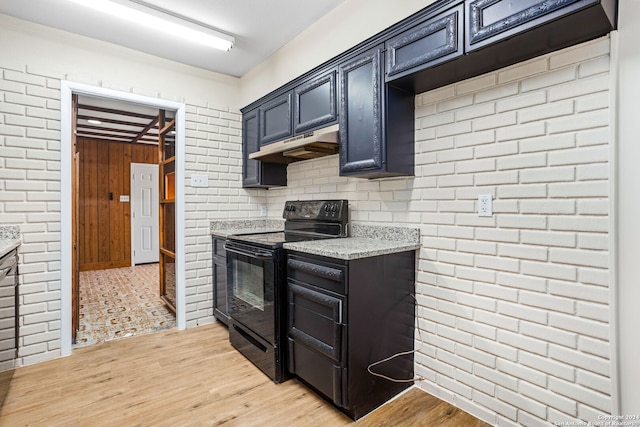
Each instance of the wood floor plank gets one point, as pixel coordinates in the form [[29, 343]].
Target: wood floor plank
[[185, 378]]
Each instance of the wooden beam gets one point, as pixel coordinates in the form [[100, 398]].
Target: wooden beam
[[144, 131], [167, 127], [112, 111], [118, 138], [112, 121]]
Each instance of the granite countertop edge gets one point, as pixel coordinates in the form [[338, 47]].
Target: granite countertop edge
[[350, 248], [367, 240], [7, 245], [226, 228], [10, 238]]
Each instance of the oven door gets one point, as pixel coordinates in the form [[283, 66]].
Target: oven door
[[250, 288]]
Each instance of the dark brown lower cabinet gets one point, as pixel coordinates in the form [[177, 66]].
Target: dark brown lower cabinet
[[344, 316]]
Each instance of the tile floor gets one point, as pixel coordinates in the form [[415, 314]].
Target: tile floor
[[119, 303]]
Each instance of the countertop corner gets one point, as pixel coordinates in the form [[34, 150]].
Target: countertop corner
[[10, 238]]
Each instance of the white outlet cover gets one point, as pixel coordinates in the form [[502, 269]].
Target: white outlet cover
[[485, 205], [199, 181]]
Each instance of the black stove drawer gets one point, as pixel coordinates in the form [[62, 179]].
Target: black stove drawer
[[266, 356], [320, 273]]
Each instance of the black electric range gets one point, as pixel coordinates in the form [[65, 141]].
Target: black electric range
[[256, 280]]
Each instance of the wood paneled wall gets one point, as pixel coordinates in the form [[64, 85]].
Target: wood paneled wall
[[104, 224]]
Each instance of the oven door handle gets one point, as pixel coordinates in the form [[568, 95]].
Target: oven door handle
[[256, 255]]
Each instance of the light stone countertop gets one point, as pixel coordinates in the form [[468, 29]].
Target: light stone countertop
[[9, 238], [350, 248], [7, 246], [366, 241], [225, 228]]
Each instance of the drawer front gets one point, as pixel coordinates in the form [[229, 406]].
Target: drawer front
[[316, 319], [320, 372], [436, 40], [318, 273]]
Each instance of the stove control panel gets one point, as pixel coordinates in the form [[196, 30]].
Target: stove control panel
[[321, 210]]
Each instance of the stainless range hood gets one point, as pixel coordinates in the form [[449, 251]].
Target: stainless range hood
[[321, 142]]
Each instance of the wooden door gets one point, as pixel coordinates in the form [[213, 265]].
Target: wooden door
[[75, 256]]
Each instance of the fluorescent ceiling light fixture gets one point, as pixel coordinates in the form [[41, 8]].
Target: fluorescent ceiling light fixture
[[94, 122], [150, 17]]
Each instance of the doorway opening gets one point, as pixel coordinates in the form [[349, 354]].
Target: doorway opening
[[119, 149], [110, 257]]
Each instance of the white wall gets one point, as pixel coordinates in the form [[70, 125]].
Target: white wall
[[352, 22], [514, 309], [628, 206], [34, 61], [80, 59]]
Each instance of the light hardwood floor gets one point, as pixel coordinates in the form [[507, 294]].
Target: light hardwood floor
[[185, 378]]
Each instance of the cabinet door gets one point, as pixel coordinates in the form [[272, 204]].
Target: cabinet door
[[256, 174], [489, 21], [250, 144], [434, 41], [275, 120], [315, 103], [361, 143]]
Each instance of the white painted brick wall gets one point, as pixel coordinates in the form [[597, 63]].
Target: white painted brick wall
[[30, 194], [513, 308]]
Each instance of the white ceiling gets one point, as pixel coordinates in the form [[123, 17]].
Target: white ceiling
[[260, 27]]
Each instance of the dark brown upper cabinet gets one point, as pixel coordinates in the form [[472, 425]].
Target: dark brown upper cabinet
[[436, 40], [256, 174], [446, 42], [315, 103], [376, 121], [490, 21], [275, 119]]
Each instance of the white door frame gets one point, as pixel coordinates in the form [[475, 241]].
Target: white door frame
[[68, 88], [132, 206]]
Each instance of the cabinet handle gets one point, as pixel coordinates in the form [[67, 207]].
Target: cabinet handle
[[316, 269]]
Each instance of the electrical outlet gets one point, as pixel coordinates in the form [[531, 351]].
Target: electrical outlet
[[199, 181], [485, 205], [263, 210]]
